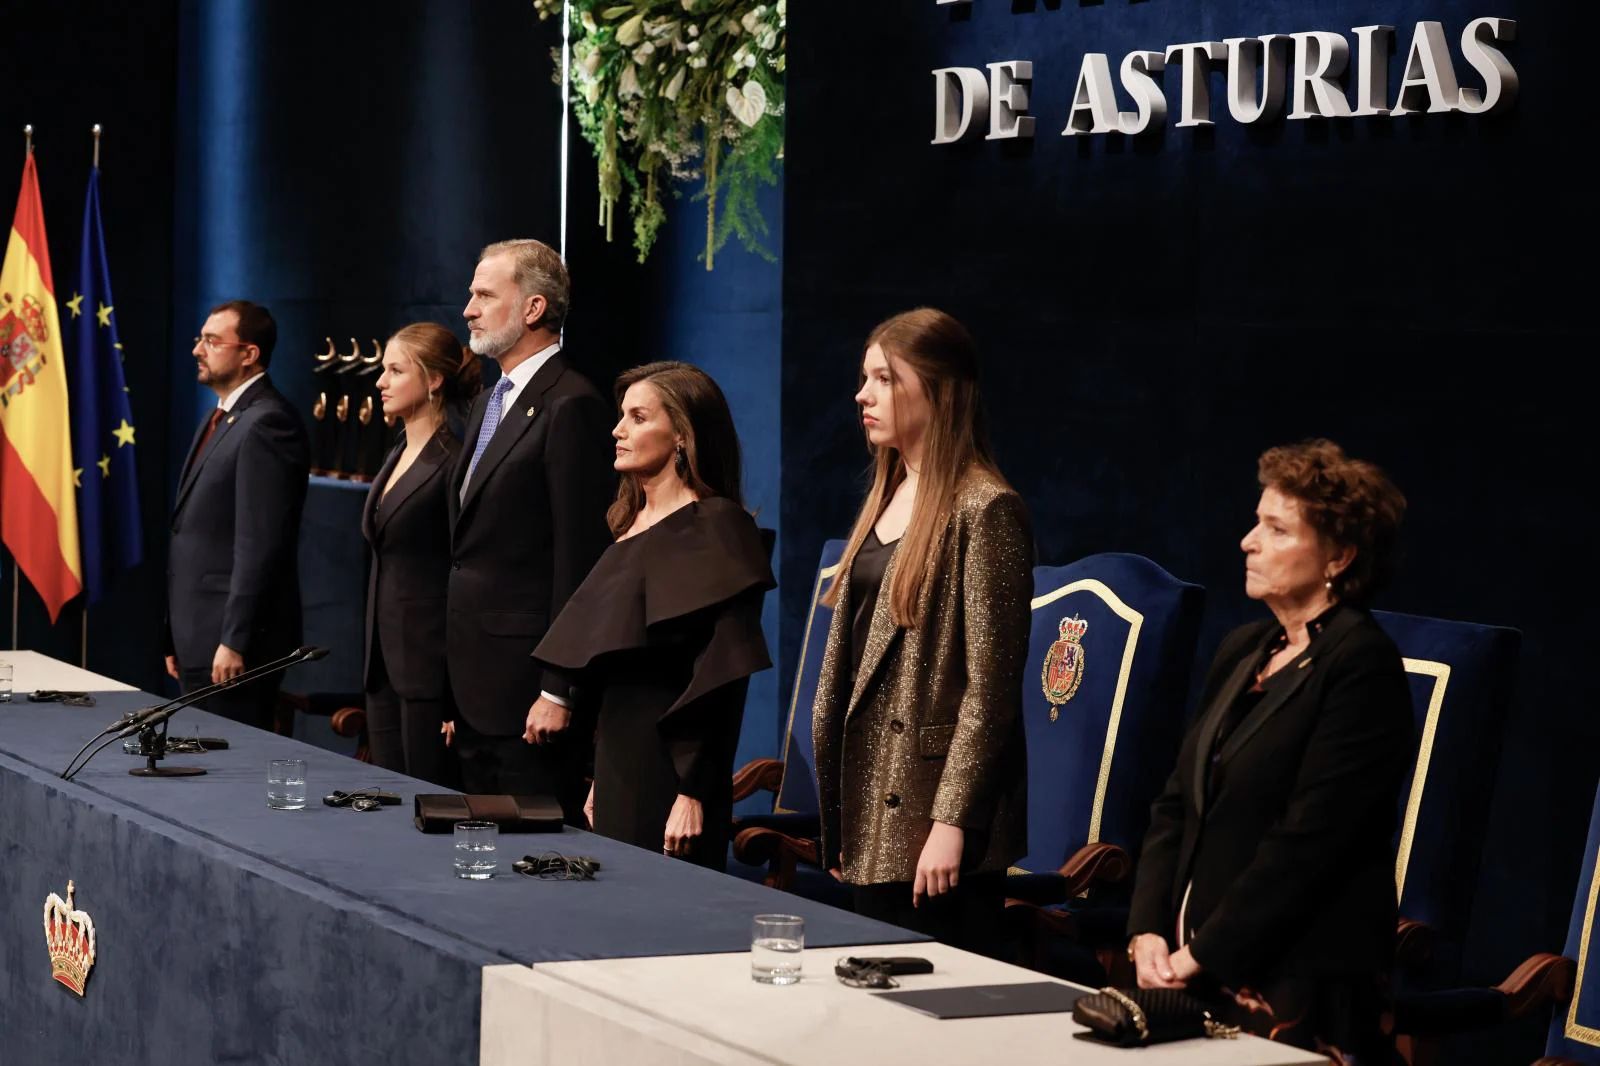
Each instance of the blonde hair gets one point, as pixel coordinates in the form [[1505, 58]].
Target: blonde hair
[[942, 354]]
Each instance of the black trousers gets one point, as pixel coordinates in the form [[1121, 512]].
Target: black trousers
[[403, 734], [496, 765], [252, 703], [969, 916]]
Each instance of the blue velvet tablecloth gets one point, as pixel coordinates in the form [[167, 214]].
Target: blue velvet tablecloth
[[232, 933]]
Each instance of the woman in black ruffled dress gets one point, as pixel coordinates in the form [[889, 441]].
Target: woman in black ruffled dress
[[666, 630]]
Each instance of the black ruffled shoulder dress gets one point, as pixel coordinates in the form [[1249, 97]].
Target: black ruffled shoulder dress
[[663, 635]]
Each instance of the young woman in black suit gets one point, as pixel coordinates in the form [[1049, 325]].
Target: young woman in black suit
[[665, 631], [1266, 879], [426, 373]]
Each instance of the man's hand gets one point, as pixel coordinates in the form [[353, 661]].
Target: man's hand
[[225, 664], [172, 667], [939, 866], [448, 729], [588, 807], [546, 720]]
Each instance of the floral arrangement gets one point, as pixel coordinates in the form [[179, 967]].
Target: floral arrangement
[[668, 90]]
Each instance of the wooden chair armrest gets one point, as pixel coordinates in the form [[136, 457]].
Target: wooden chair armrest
[[756, 776], [1414, 943], [1095, 864], [1540, 982], [348, 721], [779, 852]]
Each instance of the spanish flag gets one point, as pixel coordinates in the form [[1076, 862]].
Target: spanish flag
[[38, 513]]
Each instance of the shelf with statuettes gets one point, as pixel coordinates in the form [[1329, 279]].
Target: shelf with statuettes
[[349, 431]]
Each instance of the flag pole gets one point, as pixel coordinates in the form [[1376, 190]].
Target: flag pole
[[83, 636], [16, 567]]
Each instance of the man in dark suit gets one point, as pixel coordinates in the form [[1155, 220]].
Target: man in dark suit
[[233, 585], [530, 492]]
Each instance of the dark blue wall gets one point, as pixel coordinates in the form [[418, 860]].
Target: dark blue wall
[[1155, 312]]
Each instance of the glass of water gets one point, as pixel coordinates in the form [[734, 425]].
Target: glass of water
[[776, 941], [475, 850], [5, 682], [286, 784]]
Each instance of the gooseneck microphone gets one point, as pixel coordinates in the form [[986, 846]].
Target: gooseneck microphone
[[138, 721]]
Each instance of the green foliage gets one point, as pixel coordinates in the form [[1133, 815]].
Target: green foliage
[[672, 90]]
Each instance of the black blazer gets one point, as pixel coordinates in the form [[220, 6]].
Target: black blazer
[[233, 574], [409, 534], [1290, 852], [532, 524]]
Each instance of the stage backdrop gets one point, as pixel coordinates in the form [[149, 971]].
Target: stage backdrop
[[1156, 310]]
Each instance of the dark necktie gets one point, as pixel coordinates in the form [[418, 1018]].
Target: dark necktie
[[205, 438]]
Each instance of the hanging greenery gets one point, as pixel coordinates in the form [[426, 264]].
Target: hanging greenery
[[672, 90]]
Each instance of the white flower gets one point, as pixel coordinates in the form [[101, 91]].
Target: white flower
[[750, 59], [688, 5], [629, 84], [694, 46], [631, 32], [694, 31], [750, 21], [588, 22], [698, 62], [591, 93], [675, 85], [590, 63], [768, 39]]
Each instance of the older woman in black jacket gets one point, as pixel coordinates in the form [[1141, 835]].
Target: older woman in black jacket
[[1267, 875]]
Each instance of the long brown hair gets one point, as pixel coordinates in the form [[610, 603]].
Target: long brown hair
[[942, 354], [710, 463]]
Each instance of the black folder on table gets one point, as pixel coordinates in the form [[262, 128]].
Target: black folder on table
[[989, 1001]]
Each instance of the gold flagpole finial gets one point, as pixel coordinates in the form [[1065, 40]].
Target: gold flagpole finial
[[27, 133], [96, 132]]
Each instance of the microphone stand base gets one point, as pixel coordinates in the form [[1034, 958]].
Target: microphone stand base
[[166, 771]]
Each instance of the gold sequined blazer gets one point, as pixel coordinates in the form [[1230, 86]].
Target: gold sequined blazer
[[930, 728]]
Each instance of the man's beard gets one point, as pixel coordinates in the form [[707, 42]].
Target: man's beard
[[494, 345]]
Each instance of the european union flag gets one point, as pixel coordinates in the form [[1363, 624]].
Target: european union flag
[[102, 418]]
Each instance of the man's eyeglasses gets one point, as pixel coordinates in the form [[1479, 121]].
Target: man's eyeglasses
[[212, 343]]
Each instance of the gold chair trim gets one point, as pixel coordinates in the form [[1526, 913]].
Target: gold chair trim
[[1440, 672], [1135, 622], [1584, 1034]]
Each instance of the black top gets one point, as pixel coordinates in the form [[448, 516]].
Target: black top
[[866, 581]]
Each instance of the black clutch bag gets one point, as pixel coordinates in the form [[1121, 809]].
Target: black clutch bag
[[1137, 1017], [513, 814]]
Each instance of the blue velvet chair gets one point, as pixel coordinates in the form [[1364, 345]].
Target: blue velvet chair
[[1569, 984], [1462, 680], [778, 846], [1109, 664], [1575, 1023]]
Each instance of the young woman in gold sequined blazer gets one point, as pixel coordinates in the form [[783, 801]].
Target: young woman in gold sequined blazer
[[921, 766]]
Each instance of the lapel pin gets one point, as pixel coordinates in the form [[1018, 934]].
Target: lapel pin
[[1303, 664], [531, 411], [231, 418]]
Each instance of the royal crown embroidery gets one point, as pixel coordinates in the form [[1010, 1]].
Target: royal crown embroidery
[[70, 936], [1063, 665]]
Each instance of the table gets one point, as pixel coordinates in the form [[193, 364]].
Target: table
[[33, 671], [228, 932], [700, 1010]]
